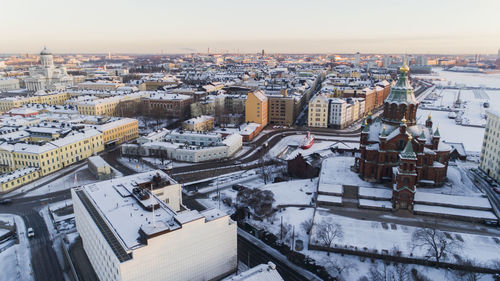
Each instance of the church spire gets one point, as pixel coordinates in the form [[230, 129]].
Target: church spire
[[408, 152], [401, 102]]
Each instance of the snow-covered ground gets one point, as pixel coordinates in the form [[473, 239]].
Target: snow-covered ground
[[15, 261], [166, 164], [134, 164], [462, 78], [289, 147], [483, 249], [47, 180], [458, 184], [83, 176], [472, 137], [337, 170]]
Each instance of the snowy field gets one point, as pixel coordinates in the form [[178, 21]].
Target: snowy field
[[458, 184], [462, 78], [15, 260], [337, 170], [134, 164], [471, 137], [483, 249]]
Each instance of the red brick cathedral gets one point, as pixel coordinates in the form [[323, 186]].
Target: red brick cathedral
[[394, 148]]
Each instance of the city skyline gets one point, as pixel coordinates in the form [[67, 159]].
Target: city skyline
[[447, 27]]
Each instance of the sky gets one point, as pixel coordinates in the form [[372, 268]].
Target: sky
[[277, 26]]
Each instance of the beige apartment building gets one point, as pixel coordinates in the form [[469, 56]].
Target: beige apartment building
[[318, 111], [281, 109], [490, 152]]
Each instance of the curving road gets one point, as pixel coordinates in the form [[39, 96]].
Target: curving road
[[44, 260]]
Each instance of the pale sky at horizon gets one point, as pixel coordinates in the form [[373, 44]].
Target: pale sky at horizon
[[314, 26]]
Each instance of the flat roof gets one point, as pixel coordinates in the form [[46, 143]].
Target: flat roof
[[126, 214]]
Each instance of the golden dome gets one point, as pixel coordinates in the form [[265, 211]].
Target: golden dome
[[403, 120], [404, 68], [410, 137]]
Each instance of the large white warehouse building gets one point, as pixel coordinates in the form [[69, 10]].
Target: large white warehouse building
[[130, 234]]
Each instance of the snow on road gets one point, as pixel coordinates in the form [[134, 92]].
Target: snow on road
[[15, 262]]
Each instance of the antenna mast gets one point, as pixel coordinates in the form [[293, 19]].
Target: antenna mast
[[153, 206]]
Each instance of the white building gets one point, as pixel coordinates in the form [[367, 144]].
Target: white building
[[490, 152], [261, 272], [99, 168], [129, 234], [48, 76], [338, 108], [186, 147], [7, 84]]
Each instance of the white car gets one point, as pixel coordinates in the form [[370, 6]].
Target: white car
[[31, 232]]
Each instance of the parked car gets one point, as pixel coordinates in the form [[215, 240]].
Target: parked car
[[5, 202], [238, 187], [496, 190], [31, 232]]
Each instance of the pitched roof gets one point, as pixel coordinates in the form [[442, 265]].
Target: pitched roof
[[408, 152]]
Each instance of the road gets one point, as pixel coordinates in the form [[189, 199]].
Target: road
[[478, 178], [207, 169], [44, 260], [251, 254], [43, 257]]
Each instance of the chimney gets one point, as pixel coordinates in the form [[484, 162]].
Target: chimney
[[284, 92]]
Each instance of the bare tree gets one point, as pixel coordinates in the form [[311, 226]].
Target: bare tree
[[436, 244], [287, 230], [339, 268], [260, 201], [466, 275], [401, 272], [327, 231], [265, 170], [307, 225], [377, 273]]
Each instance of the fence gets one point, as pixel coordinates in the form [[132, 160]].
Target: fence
[[402, 259]]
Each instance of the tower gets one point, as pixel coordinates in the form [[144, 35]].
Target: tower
[[403, 192], [46, 59], [401, 102], [356, 59]]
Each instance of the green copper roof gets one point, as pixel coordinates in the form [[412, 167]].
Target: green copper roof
[[366, 129], [402, 92], [436, 133], [408, 153], [384, 133], [422, 135]]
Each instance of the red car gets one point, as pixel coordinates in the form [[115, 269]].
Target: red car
[[496, 190]]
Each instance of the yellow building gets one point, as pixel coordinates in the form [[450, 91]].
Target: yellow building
[[256, 108], [202, 123], [105, 106], [318, 112], [40, 97], [50, 98], [49, 149], [55, 155], [8, 103], [99, 85], [17, 178], [119, 131]]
